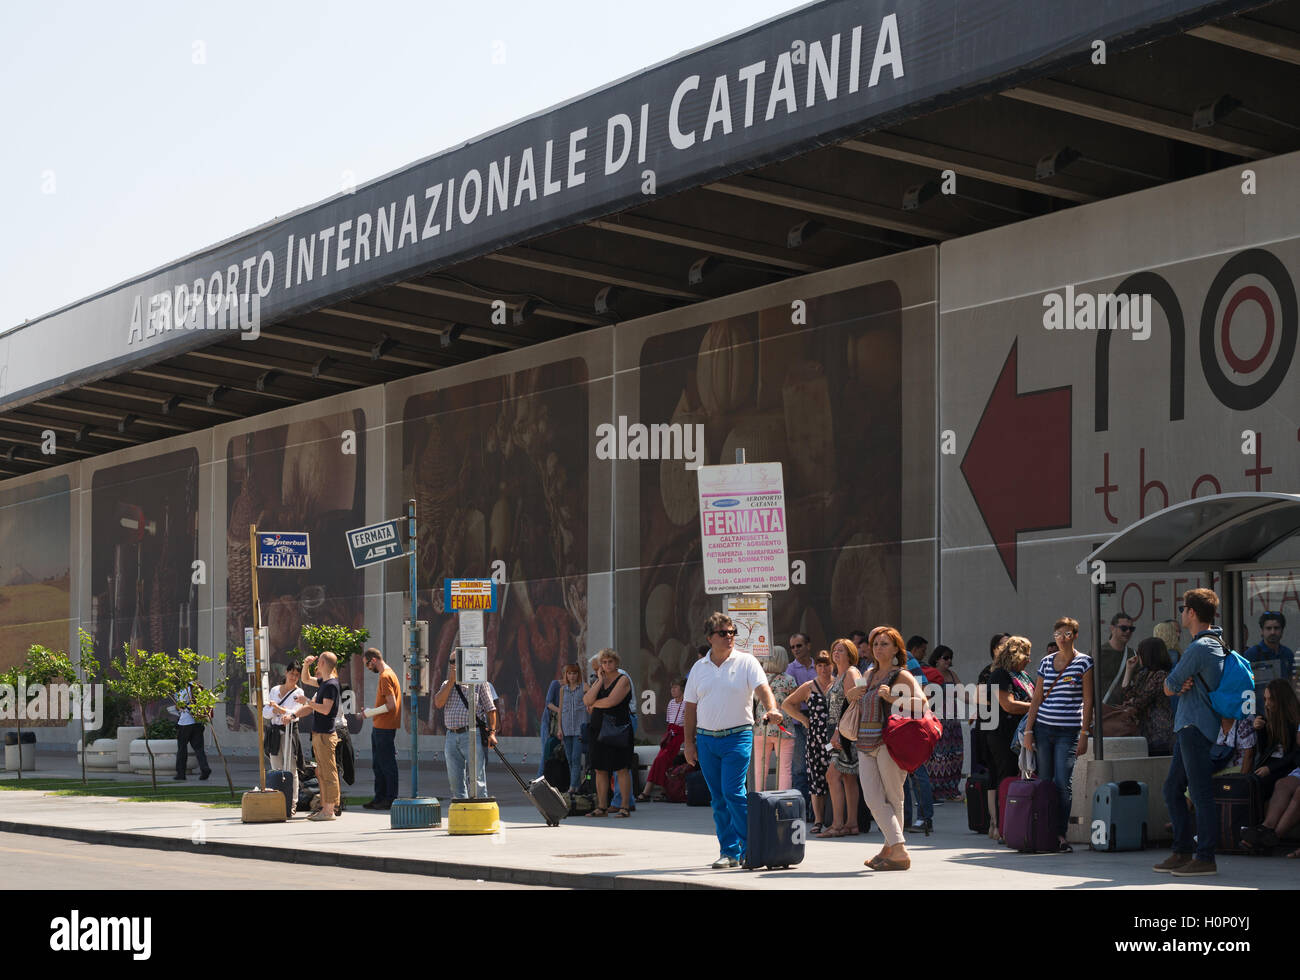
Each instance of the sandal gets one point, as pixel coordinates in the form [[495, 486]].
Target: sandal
[[816, 828], [1064, 848], [889, 864], [852, 831], [831, 831], [872, 862], [623, 812], [599, 812]]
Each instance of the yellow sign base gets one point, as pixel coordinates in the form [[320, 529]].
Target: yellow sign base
[[473, 817]]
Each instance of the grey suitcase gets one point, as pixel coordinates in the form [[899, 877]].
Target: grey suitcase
[[1119, 817], [550, 804]]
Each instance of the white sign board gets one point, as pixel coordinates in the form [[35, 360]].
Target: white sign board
[[752, 615], [473, 666], [264, 648], [471, 627], [742, 528]]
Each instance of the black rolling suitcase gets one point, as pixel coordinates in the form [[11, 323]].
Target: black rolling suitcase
[[697, 790], [1238, 806], [550, 804], [777, 828], [282, 779], [977, 801]]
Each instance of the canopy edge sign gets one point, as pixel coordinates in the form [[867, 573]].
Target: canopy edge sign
[[742, 528], [375, 543], [461, 594], [804, 79], [283, 550]]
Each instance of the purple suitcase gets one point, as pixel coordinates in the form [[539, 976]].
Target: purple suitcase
[[1033, 806]]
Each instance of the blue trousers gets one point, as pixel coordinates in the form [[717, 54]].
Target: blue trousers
[[1190, 772], [383, 753], [573, 753], [1057, 748], [456, 749], [924, 796], [725, 763], [799, 765]]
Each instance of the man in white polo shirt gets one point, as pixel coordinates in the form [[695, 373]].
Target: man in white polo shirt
[[720, 692]]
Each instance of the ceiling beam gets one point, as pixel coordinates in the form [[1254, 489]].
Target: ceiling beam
[[1144, 118], [699, 240], [282, 364], [810, 201], [548, 311], [418, 323], [157, 399], [199, 379], [978, 166], [96, 411], [61, 425], [1249, 35], [566, 265]]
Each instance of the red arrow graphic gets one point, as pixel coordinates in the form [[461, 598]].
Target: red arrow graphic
[[1018, 462]]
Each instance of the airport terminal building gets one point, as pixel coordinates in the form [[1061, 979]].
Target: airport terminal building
[[991, 279]]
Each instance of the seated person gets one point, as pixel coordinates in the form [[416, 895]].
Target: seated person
[[1144, 697], [1278, 758]]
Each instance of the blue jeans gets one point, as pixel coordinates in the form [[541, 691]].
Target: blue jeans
[[383, 755], [1056, 748], [924, 793], [573, 752], [725, 763], [1190, 771], [799, 765], [457, 752]]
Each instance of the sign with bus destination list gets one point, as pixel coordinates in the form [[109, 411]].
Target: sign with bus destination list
[[742, 528]]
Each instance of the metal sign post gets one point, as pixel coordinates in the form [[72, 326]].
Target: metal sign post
[[417, 812], [254, 556]]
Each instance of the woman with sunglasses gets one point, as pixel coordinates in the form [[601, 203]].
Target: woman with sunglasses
[[945, 763], [817, 723], [842, 773]]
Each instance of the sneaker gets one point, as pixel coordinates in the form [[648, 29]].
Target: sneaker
[[322, 815], [725, 861], [1196, 869], [206, 774], [1173, 862], [386, 805], [178, 779], [372, 805]]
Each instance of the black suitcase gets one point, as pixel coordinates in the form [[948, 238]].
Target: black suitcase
[[777, 829], [697, 790], [282, 780], [550, 804], [977, 802], [1238, 806]]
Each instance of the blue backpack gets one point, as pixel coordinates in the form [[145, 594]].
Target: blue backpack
[[1236, 688]]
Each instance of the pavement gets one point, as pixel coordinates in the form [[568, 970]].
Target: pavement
[[662, 845]]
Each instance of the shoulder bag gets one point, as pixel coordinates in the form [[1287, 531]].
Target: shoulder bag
[[482, 723], [272, 734], [910, 740]]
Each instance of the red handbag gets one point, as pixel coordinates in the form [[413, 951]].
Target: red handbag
[[911, 741]]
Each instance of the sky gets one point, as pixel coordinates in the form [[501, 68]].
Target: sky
[[138, 132]]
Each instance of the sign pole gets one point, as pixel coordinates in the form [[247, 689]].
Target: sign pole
[[257, 659], [413, 648]]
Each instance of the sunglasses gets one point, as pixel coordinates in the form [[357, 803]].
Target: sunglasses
[[726, 632], [1126, 629]]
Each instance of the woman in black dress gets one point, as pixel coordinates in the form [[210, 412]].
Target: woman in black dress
[[609, 701], [817, 723]]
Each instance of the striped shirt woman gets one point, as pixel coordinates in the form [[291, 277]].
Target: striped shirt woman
[[1063, 699]]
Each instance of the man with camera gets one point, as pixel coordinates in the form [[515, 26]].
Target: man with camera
[[452, 699]]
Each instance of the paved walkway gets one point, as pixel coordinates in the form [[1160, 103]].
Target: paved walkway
[[661, 846]]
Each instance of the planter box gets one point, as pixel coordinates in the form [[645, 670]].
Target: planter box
[[28, 756], [126, 734], [164, 755], [101, 756]]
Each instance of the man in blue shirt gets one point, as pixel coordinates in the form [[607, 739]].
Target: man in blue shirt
[[1196, 728], [917, 786], [1270, 648], [801, 670]]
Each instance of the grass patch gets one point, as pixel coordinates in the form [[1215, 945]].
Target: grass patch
[[216, 796]]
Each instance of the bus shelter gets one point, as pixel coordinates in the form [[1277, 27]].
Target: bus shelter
[[1227, 535]]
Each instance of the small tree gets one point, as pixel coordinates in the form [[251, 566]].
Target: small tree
[[339, 640], [148, 678], [42, 666]]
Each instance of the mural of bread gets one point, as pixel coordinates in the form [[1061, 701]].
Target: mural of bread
[[677, 485], [809, 430], [724, 371], [317, 476], [863, 586]]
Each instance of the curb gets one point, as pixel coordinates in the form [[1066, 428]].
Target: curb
[[359, 862]]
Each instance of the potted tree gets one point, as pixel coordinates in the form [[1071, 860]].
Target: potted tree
[[149, 678], [204, 701]]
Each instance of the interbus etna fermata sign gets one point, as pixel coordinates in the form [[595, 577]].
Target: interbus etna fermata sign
[[283, 549], [461, 594], [742, 528], [375, 543]]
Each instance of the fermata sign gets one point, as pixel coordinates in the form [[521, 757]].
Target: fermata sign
[[375, 543], [742, 528], [283, 549]]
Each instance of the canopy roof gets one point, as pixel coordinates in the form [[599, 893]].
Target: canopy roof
[[1223, 531]]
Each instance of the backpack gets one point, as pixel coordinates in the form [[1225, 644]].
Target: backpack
[[1236, 689]]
